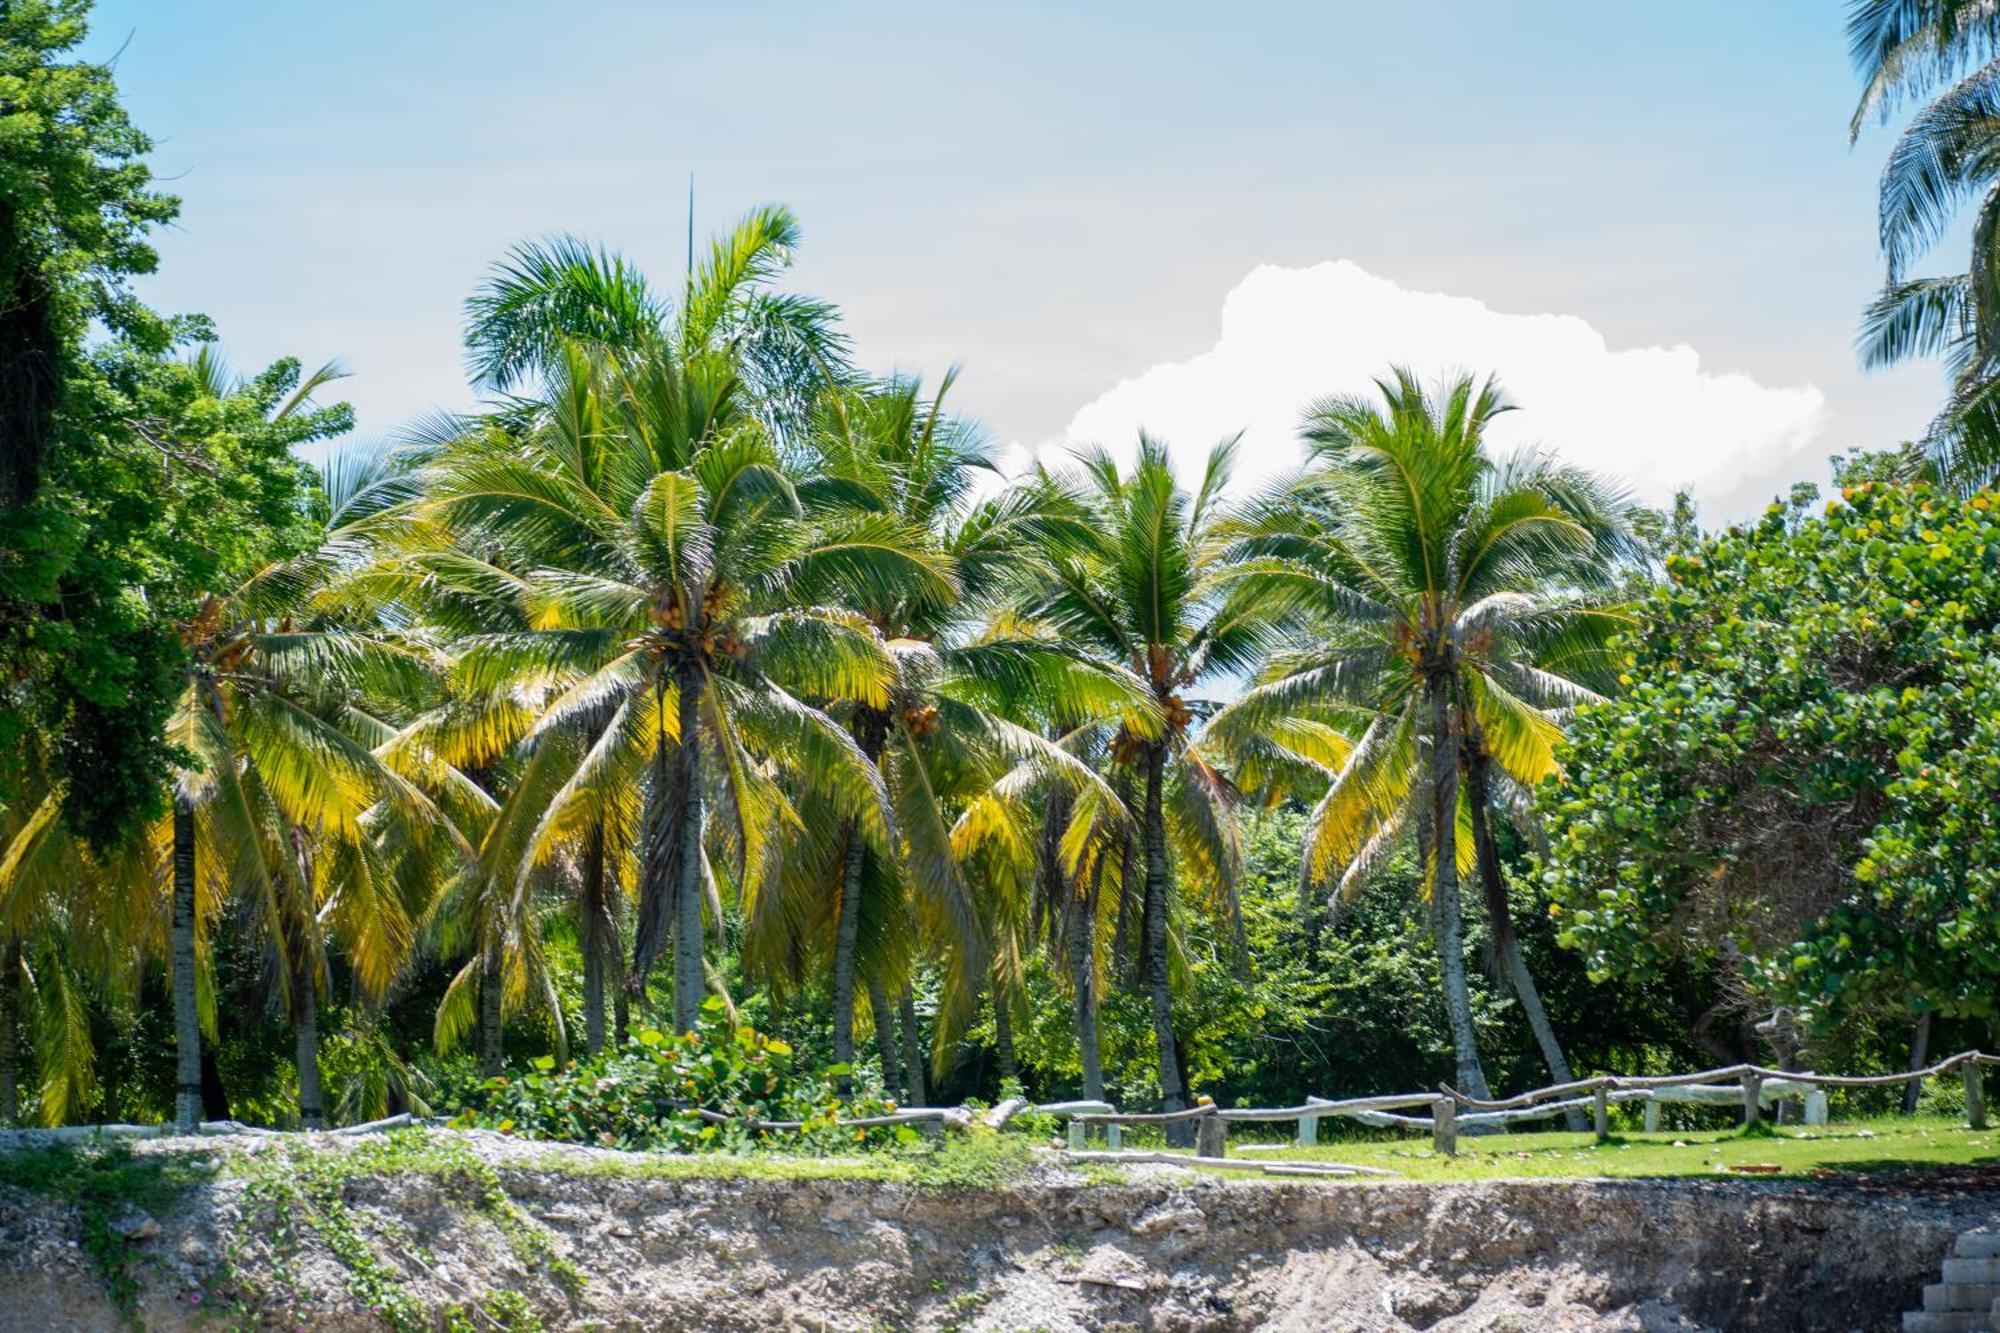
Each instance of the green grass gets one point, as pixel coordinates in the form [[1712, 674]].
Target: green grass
[[1873, 1145], [975, 1160]]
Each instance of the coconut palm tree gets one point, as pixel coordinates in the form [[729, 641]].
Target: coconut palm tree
[[1943, 53], [1155, 597], [647, 487], [1454, 609], [675, 586], [948, 742], [72, 937]]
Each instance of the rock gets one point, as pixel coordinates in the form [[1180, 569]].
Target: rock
[[1170, 1218], [132, 1223]]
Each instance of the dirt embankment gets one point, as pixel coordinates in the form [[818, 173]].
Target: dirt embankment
[[1054, 1253]]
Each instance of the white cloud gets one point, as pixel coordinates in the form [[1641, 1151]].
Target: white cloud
[[1651, 416]]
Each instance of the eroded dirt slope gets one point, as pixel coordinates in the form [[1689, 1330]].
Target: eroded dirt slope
[[1055, 1253]]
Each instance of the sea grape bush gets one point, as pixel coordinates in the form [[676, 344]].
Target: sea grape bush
[[1804, 766], [645, 1096]]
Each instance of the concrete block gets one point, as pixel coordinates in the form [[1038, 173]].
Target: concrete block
[[1972, 1270], [1961, 1296]]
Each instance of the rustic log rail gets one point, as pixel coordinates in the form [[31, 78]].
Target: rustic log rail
[[1750, 1085]]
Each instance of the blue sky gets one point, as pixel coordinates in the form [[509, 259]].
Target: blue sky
[[1063, 198]]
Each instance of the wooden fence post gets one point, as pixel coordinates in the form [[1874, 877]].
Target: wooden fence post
[[1602, 1114], [1975, 1095], [1753, 1097], [1444, 1126], [1211, 1137]]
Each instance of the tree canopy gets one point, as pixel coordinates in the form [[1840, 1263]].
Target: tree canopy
[[1798, 771]]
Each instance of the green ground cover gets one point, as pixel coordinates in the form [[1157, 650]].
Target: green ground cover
[[1891, 1143]]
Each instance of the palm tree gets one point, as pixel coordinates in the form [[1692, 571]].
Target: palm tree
[[1947, 155], [1155, 598], [280, 803], [1454, 610], [947, 738], [675, 576], [72, 931], [676, 586]]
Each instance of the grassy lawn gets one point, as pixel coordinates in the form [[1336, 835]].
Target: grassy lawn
[[1888, 1144]]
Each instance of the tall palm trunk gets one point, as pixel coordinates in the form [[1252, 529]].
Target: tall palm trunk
[[10, 1023], [885, 1037], [492, 1053], [187, 1014], [670, 889], [1920, 1050], [845, 940], [1173, 1096], [305, 1021], [1075, 914], [1500, 925], [913, 1050], [690, 983], [1449, 914], [871, 732], [600, 940], [1082, 944]]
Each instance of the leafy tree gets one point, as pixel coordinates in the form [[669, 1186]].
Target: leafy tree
[[112, 515], [1452, 622], [1794, 778]]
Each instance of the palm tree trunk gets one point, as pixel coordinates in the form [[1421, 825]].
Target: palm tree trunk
[[1500, 924], [1920, 1051], [492, 1053], [871, 733], [187, 1015], [1003, 1038], [914, 1093], [1076, 918], [885, 1037], [1082, 944], [600, 941], [1121, 933], [1158, 979], [690, 984], [844, 946], [10, 1024], [1450, 915], [305, 1018]]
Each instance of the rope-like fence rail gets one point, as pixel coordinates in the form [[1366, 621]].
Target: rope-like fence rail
[[1751, 1085], [1626, 1082]]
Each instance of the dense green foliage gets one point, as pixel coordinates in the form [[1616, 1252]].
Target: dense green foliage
[[647, 1095], [1799, 768], [130, 483]]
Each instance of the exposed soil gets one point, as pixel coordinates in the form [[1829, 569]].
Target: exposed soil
[[1169, 1251]]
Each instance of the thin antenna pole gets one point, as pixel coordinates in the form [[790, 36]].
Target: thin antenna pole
[[690, 255]]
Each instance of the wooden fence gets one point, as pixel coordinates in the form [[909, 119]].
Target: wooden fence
[[1752, 1087]]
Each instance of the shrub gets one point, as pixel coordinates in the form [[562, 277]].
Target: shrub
[[647, 1095]]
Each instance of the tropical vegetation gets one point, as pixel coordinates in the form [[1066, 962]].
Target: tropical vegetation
[[705, 723]]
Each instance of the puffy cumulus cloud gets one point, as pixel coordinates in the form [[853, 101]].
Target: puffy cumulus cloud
[[1651, 415]]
